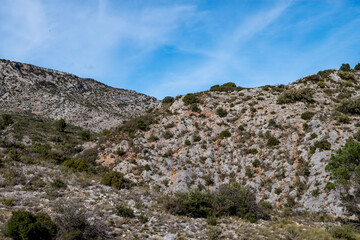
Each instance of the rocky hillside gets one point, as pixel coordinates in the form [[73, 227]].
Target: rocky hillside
[[228, 163], [80, 101], [276, 140]]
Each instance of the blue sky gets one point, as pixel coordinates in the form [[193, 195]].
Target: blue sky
[[173, 47]]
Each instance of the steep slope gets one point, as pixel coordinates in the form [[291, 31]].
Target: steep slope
[[275, 139], [82, 102]]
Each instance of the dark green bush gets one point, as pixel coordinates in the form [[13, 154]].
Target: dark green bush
[[190, 99], [116, 180], [345, 67], [307, 115], [195, 108], [221, 112], [347, 76], [25, 225], [106, 132], [58, 184], [60, 125], [252, 151], [330, 186], [168, 135], [273, 141], [73, 225], [357, 67], [187, 142], [123, 210], [343, 232], [241, 128], [256, 163], [153, 138], [120, 152], [296, 95], [351, 106], [196, 138], [226, 87], [344, 119], [225, 134], [6, 120], [321, 145], [85, 135], [229, 200], [41, 149], [76, 164], [168, 99], [139, 123]]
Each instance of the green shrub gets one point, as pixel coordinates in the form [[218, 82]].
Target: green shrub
[[76, 164], [351, 106], [344, 167], [196, 138], [167, 135], [211, 220], [330, 186], [307, 115], [120, 152], [357, 67], [139, 123], [241, 128], [273, 141], [256, 163], [25, 225], [213, 233], [345, 67], [85, 135], [187, 142], [153, 138], [73, 225], [6, 120], [225, 134], [226, 87], [252, 151], [106, 132], [344, 119], [42, 149], [296, 95], [123, 210], [168, 99], [343, 232], [195, 108], [321, 145], [190, 99], [7, 202], [313, 136], [58, 184], [221, 112], [228, 200], [116, 180], [60, 125], [347, 76]]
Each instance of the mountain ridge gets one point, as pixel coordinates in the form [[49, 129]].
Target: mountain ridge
[[80, 101]]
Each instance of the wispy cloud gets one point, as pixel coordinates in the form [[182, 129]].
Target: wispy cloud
[[224, 59]]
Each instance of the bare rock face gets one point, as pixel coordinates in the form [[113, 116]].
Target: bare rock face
[[81, 101]]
